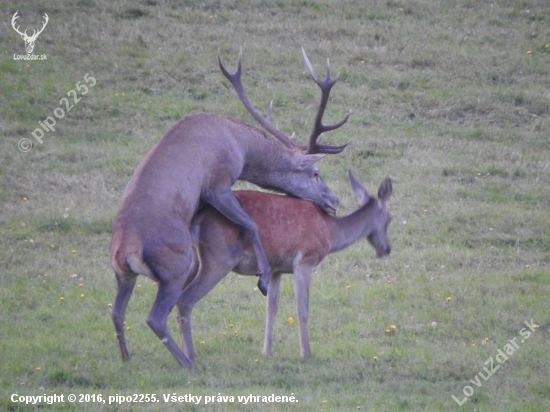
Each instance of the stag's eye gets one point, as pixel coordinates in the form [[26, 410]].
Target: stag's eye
[[316, 175]]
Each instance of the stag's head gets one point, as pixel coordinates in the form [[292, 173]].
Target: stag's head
[[29, 40], [301, 178], [376, 231], [296, 174]]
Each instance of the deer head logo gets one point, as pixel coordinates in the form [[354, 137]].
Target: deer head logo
[[29, 40]]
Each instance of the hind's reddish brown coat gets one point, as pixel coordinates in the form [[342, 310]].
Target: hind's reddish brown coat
[[296, 237]]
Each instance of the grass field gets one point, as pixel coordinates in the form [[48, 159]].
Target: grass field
[[449, 98]]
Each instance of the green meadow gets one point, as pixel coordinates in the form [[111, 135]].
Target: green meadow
[[450, 98]]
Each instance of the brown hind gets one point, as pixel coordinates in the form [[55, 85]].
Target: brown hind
[[296, 236]]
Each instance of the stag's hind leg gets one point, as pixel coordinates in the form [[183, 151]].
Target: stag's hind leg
[[125, 286], [217, 259], [203, 283], [171, 265]]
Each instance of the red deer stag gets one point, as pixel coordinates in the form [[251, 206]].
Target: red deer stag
[[296, 237], [196, 163]]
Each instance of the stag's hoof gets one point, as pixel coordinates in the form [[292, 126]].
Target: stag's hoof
[[262, 286]]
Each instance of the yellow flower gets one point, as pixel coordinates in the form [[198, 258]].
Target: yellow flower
[[388, 331], [324, 401], [25, 199], [61, 298], [479, 173], [290, 320], [73, 251], [211, 17], [527, 266], [393, 326], [45, 275], [448, 298], [80, 285], [546, 46], [38, 368], [528, 51], [52, 246], [31, 240], [375, 357], [202, 342], [486, 339], [128, 328], [473, 344], [348, 286], [82, 295], [256, 360]]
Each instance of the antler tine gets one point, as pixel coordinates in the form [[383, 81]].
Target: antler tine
[[43, 26], [235, 79], [318, 127], [14, 22]]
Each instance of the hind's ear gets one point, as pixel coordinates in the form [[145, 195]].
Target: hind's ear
[[358, 188], [385, 190]]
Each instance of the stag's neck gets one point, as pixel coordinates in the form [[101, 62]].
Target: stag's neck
[[347, 230], [264, 156]]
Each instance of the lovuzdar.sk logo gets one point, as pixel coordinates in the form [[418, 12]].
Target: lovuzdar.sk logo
[[29, 40]]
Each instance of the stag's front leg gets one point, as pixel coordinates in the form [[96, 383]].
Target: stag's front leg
[[228, 205]]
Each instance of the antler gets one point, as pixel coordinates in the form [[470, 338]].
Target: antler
[[34, 32], [35, 35], [235, 79], [14, 18], [318, 126]]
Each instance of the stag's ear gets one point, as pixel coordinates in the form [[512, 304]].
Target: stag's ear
[[385, 190], [302, 162], [359, 190]]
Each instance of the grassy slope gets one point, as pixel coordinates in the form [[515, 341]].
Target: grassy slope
[[447, 101]]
